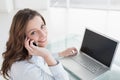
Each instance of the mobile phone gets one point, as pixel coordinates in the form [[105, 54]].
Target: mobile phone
[[34, 44]]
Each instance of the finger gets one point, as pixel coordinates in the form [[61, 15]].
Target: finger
[[75, 50], [72, 54], [27, 46], [31, 44], [27, 41]]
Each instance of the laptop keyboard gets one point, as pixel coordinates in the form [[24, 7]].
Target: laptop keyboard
[[87, 63]]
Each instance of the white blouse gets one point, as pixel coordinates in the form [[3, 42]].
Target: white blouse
[[37, 69]]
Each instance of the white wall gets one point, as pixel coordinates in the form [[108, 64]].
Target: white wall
[[6, 5], [33, 4], [10, 5], [87, 18]]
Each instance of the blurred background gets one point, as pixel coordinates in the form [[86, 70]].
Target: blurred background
[[66, 19]]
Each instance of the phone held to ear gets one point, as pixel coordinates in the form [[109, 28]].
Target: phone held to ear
[[34, 44]]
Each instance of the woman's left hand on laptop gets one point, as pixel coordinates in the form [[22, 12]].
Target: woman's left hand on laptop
[[68, 52]]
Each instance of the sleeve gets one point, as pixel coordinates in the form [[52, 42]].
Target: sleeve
[[36, 73], [56, 56], [58, 72]]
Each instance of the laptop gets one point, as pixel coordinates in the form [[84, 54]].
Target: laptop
[[95, 56]]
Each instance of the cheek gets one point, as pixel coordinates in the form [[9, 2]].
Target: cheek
[[46, 32], [35, 38]]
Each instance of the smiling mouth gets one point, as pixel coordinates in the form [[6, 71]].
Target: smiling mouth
[[42, 41]]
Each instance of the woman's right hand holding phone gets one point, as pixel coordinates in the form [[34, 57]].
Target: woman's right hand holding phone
[[39, 51]]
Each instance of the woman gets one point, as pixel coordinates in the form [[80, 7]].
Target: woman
[[26, 57]]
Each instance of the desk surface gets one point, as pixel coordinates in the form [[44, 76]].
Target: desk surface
[[113, 74], [70, 41]]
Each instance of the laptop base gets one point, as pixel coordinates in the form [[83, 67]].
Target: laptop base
[[79, 70]]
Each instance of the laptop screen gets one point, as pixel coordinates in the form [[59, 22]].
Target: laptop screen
[[98, 47]]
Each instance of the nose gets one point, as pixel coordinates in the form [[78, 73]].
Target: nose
[[42, 34]]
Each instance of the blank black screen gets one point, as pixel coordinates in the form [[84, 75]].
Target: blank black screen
[[98, 47]]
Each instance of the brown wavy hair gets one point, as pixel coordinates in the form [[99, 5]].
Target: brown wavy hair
[[15, 50]]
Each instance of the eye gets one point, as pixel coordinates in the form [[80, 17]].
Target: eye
[[32, 33], [43, 26]]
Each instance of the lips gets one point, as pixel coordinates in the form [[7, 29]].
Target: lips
[[42, 41]]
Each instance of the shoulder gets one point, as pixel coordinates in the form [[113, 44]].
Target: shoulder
[[20, 69], [21, 66], [25, 64]]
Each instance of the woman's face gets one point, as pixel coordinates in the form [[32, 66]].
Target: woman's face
[[36, 30]]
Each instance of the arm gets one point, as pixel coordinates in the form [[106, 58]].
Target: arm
[[24, 70], [36, 73], [57, 70], [66, 53]]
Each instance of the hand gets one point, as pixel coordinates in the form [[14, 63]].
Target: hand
[[39, 51], [68, 52], [35, 50]]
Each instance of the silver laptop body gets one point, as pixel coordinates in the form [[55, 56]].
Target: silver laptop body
[[95, 57]]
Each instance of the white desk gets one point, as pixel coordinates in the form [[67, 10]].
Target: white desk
[[113, 74]]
